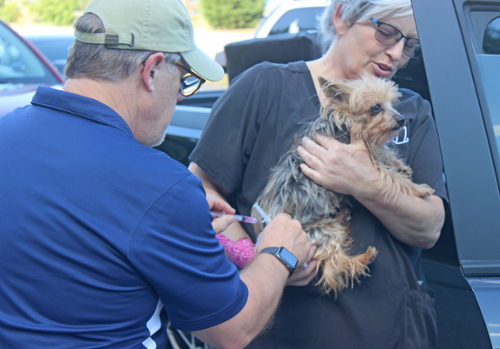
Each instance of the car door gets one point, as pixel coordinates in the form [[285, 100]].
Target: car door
[[461, 51]]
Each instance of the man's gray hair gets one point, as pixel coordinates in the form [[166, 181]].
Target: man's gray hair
[[358, 11], [101, 63]]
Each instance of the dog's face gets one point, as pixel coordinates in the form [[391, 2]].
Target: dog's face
[[365, 106]]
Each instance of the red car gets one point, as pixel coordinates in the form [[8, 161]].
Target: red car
[[22, 69]]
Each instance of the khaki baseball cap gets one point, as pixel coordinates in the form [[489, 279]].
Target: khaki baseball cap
[[150, 25]]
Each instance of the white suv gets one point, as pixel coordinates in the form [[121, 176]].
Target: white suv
[[292, 16]]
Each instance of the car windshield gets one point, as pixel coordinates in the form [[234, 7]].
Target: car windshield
[[19, 64]]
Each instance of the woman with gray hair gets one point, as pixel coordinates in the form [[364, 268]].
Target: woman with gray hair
[[254, 124]]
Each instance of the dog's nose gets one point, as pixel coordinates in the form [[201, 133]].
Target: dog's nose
[[401, 120]]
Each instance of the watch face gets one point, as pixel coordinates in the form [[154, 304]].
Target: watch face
[[288, 257]]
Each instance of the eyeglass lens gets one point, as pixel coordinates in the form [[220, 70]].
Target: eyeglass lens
[[388, 35], [190, 85]]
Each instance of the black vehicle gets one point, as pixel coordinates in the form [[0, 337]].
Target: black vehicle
[[460, 74]]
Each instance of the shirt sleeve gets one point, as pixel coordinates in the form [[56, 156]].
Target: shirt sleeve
[[423, 150], [228, 138], [174, 247]]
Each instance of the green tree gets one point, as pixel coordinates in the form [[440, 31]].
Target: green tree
[[9, 11], [232, 13], [58, 12]]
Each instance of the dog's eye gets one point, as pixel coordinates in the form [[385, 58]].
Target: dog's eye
[[375, 110]]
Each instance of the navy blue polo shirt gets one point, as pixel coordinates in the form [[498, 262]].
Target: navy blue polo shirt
[[102, 239]]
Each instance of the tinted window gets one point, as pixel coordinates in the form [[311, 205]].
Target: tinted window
[[491, 41], [303, 18], [489, 68]]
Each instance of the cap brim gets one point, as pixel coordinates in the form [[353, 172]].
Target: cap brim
[[203, 65]]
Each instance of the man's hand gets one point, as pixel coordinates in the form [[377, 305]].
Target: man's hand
[[283, 231], [303, 275], [218, 205]]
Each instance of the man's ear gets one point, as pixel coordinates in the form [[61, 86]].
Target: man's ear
[[151, 68]]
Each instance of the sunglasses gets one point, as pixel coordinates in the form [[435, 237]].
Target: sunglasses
[[190, 82], [389, 35]]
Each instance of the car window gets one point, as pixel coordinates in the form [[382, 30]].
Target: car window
[[489, 65], [487, 55], [299, 19], [491, 41], [18, 63]]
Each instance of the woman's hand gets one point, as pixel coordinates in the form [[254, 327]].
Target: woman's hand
[[348, 169], [344, 168]]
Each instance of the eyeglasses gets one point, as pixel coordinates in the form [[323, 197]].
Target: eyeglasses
[[389, 35], [190, 82]]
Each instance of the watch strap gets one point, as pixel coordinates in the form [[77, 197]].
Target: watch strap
[[276, 251]]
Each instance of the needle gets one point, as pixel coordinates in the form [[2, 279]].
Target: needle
[[239, 218]]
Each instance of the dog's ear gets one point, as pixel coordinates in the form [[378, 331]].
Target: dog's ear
[[336, 91], [322, 81]]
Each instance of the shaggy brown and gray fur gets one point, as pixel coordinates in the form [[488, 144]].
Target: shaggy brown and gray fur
[[364, 108]]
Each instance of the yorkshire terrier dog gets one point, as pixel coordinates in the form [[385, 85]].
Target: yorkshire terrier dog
[[364, 108]]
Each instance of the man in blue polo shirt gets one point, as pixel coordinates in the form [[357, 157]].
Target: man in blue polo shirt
[[103, 240]]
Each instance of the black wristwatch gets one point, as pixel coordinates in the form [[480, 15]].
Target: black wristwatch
[[284, 256]]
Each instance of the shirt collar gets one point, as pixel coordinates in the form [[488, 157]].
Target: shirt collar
[[79, 105]]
